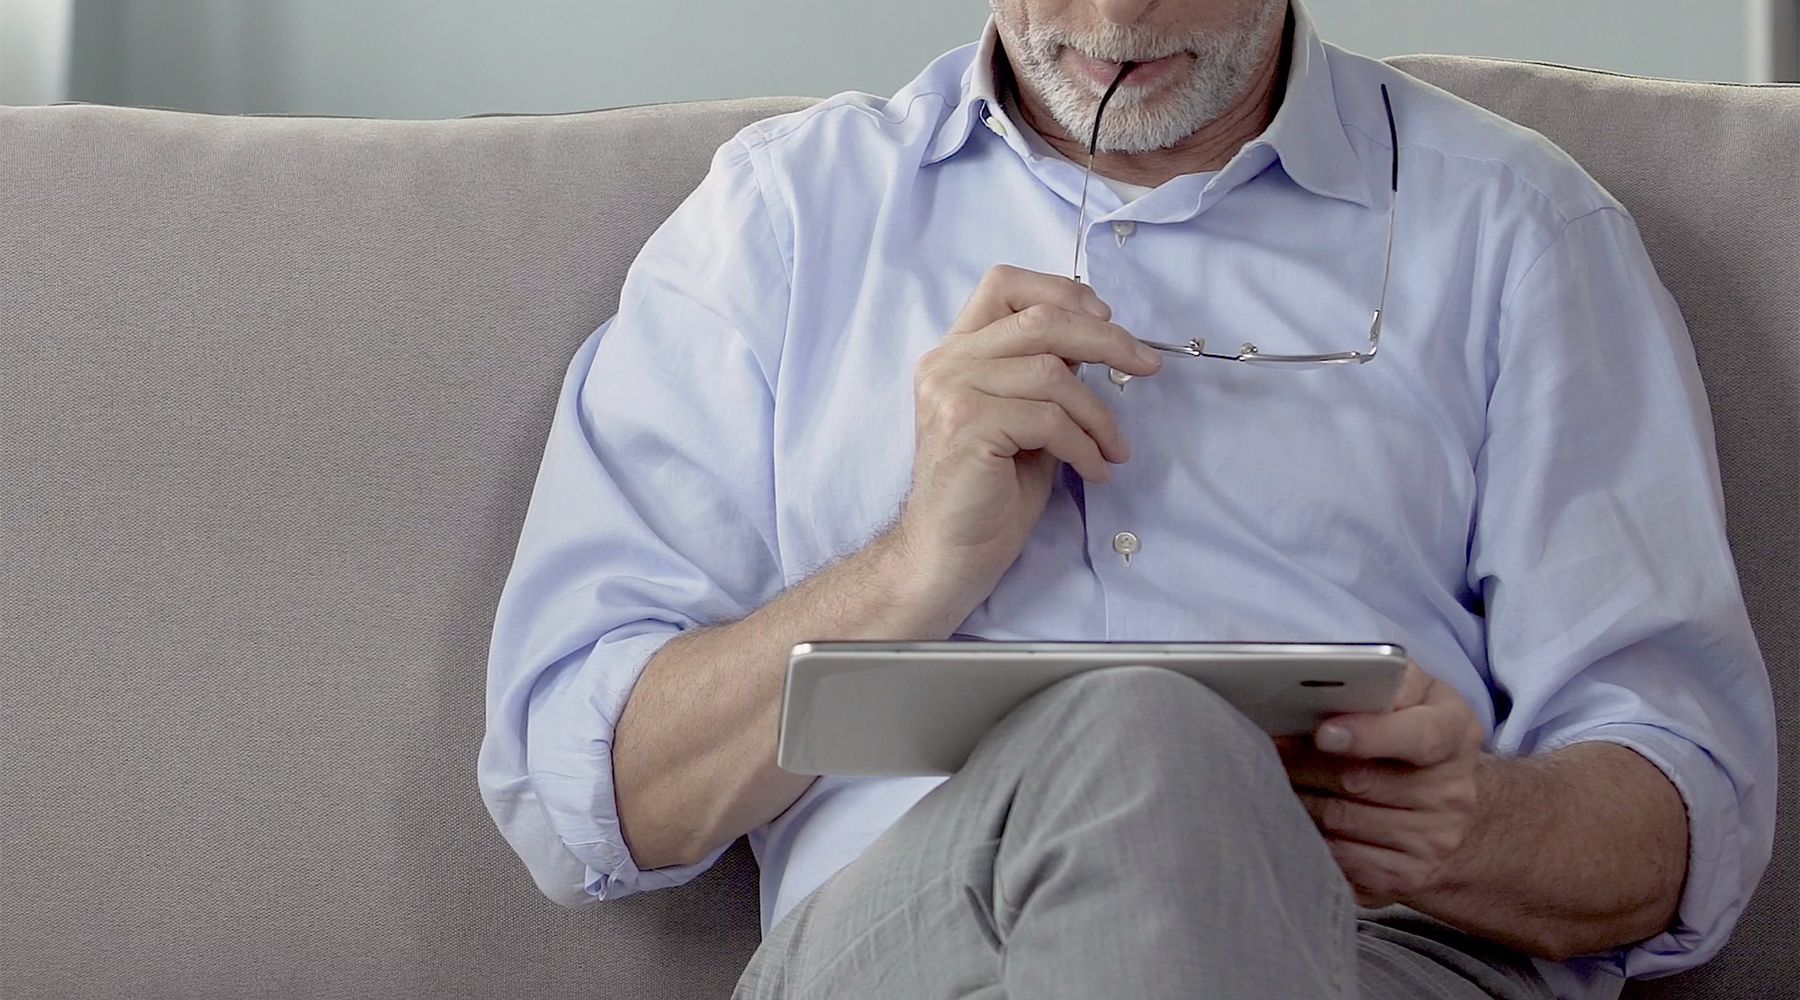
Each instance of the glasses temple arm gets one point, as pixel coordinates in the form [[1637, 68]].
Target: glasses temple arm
[[1093, 144]]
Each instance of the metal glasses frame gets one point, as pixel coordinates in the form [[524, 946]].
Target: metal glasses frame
[[1249, 353]]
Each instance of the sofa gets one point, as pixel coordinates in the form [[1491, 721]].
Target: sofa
[[273, 394]]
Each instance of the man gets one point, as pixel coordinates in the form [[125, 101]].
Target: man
[[792, 431]]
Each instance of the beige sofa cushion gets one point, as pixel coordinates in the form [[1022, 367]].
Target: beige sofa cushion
[[272, 396]]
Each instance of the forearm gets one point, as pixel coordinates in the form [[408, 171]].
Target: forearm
[[694, 754], [1577, 851]]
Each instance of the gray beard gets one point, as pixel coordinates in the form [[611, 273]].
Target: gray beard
[[1224, 70]]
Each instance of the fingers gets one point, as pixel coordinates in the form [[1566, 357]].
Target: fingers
[[1046, 329], [1347, 819], [1046, 378], [1420, 736], [1436, 726], [1415, 687], [1005, 290], [1393, 851], [1003, 406], [1336, 735], [1031, 424], [1015, 312], [1380, 874], [1396, 794], [1315, 771], [1003, 381], [1398, 786]]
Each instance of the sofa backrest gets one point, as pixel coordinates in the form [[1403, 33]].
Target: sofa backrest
[[273, 393]]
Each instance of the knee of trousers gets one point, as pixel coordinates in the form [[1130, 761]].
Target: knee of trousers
[[1141, 717], [1163, 758], [1127, 701]]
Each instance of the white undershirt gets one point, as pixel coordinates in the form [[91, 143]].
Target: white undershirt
[[1126, 191]]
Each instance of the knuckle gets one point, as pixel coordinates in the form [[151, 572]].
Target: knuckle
[[1377, 882], [935, 377], [1413, 878], [1461, 796], [1454, 746], [925, 371], [1441, 843], [959, 411], [1039, 318], [1335, 814], [1435, 842], [1106, 426], [1048, 368], [1438, 745]]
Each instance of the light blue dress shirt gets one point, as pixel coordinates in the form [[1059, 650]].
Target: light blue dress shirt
[[1522, 488]]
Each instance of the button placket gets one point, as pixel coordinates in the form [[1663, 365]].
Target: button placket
[[1122, 229]]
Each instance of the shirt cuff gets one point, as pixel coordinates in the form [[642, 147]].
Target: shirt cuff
[[1715, 893], [569, 758]]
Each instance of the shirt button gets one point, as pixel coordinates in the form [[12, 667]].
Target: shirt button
[[1118, 378], [1126, 544], [1121, 230], [993, 124]]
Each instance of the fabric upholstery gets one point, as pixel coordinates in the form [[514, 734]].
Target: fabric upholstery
[[272, 397]]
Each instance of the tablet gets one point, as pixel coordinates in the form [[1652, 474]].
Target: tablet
[[919, 708]]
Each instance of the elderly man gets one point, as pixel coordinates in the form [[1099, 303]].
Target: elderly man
[[854, 390]]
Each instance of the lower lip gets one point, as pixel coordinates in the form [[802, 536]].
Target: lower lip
[[1102, 73]]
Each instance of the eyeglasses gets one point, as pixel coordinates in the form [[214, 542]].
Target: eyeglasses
[[1249, 353]]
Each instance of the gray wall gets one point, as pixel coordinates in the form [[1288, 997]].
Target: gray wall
[[1685, 39], [436, 58]]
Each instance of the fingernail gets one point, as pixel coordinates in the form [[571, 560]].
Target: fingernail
[[1095, 308], [1149, 354], [1332, 739]]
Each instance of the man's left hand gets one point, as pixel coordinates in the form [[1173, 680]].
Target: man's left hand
[[1395, 794]]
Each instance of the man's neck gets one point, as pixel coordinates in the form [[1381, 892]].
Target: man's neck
[[1210, 148]]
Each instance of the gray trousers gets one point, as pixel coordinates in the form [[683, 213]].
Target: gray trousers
[[1125, 833]]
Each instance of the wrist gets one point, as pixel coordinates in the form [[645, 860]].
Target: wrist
[[924, 583]]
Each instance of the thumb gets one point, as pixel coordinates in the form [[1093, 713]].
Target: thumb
[[1415, 687]]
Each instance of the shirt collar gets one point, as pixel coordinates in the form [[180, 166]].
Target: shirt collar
[[978, 91], [1306, 136]]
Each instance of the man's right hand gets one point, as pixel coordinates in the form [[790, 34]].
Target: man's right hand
[[997, 405]]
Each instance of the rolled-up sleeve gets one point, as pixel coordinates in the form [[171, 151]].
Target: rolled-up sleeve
[[652, 512], [1600, 554]]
